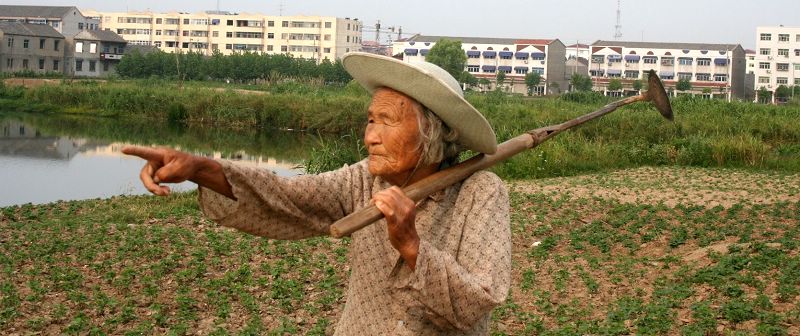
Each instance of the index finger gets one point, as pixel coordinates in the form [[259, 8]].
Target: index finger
[[147, 153]]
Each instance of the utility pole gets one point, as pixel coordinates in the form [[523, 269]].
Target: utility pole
[[378, 31], [618, 27]]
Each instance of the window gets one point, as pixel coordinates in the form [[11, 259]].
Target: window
[[158, 32], [328, 25], [41, 64], [270, 35], [105, 66], [270, 48], [783, 52], [270, 23], [477, 55], [797, 52], [650, 60], [348, 38], [249, 35], [797, 38], [41, 43], [158, 21], [598, 58], [667, 61], [797, 81], [78, 47], [284, 48], [782, 81], [78, 65], [521, 71], [215, 34], [797, 67], [25, 43], [327, 50], [782, 66], [684, 76], [763, 65], [285, 24], [25, 63], [720, 77], [703, 61], [764, 51], [348, 26], [228, 34], [80, 25], [157, 44], [685, 61], [55, 24], [229, 46], [766, 37], [185, 21], [185, 45], [631, 74], [10, 42], [55, 44], [763, 80], [783, 37], [9, 63], [508, 57], [92, 66], [172, 21], [229, 22], [92, 48], [185, 33]]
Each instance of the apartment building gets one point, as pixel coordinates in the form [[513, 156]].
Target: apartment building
[[314, 37], [66, 20], [578, 50], [30, 47], [714, 70], [94, 53], [488, 56], [777, 58]]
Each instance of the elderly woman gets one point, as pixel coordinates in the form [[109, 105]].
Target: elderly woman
[[436, 267]]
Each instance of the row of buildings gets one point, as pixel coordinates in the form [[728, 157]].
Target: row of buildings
[[93, 41]]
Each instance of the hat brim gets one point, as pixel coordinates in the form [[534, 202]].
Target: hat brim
[[376, 71]]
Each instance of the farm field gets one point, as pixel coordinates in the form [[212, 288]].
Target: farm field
[[650, 250]]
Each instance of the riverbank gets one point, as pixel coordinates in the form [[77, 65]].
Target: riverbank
[[655, 250], [706, 133]]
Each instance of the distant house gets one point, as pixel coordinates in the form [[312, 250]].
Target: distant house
[[30, 47], [67, 20], [94, 53], [488, 56]]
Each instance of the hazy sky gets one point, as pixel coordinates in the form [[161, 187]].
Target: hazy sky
[[706, 21]]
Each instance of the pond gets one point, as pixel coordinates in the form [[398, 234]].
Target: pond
[[46, 158]]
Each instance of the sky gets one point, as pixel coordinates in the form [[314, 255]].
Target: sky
[[584, 21]]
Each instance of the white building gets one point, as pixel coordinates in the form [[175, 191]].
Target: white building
[[488, 56], [777, 58], [578, 51], [716, 70], [314, 37]]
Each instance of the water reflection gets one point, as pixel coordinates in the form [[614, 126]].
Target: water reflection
[[48, 158]]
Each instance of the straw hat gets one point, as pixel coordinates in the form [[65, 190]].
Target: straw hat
[[431, 86]]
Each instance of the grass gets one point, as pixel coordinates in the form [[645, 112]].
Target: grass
[[627, 252]]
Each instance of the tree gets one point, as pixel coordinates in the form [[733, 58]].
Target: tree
[[783, 93], [448, 55], [581, 82], [637, 85], [683, 85], [764, 95], [483, 83], [500, 78], [532, 80], [468, 78], [615, 85]]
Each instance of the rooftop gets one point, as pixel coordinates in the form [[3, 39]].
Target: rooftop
[[479, 40], [29, 29], [665, 45], [44, 12]]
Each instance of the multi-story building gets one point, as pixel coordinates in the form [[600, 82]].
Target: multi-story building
[[488, 56], [777, 58], [578, 51], [35, 47], [716, 70], [94, 53], [66, 20], [312, 37]]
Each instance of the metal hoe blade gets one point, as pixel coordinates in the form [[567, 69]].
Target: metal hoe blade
[[658, 96]]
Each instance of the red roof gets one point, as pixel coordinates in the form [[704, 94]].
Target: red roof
[[544, 42], [584, 46]]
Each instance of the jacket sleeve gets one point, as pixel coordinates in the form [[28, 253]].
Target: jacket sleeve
[[459, 291], [282, 208]]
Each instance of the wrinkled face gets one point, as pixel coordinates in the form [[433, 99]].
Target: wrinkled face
[[392, 134]]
